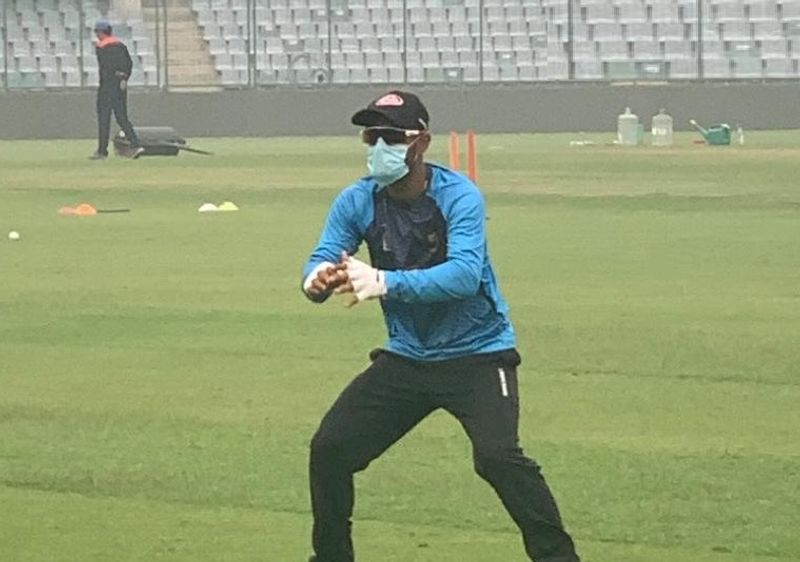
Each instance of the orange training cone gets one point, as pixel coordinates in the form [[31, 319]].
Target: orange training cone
[[85, 210]]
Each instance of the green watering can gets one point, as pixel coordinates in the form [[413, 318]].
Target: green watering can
[[716, 135]]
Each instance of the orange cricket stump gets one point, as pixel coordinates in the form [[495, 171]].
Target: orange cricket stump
[[455, 164], [472, 156]]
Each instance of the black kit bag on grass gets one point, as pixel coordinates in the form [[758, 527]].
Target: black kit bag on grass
[[156, 141]]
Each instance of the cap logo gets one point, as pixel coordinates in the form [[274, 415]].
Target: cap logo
[[392, 100]]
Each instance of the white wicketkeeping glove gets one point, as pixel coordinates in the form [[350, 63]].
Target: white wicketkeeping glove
[[368, 282]]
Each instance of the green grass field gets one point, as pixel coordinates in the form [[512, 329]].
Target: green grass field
[[161, 374]]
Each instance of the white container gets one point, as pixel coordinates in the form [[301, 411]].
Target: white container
[[662, 129], [628, 128]]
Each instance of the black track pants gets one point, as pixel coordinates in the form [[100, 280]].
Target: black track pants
[[389, 399], [113, 99]]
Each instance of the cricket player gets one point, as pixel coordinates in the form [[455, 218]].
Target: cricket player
[[114, 68], [451, 343]]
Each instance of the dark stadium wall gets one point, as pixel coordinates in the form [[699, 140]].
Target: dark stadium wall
[[512, 108]]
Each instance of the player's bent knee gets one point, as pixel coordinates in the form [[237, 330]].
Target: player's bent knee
[[328, 450], [489, 462]]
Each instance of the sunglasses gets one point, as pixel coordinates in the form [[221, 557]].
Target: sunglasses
[[390, 135]]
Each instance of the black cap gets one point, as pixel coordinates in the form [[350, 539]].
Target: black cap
[[396, 109]]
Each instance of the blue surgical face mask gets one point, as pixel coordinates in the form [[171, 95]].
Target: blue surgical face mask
[[387, 162]]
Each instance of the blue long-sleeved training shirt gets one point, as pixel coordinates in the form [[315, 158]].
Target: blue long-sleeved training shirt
[[443, 300]]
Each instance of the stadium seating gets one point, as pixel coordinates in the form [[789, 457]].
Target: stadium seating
[[45, 50], [376, 41], [439, 40]]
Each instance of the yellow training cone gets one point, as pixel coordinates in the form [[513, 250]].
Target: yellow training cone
[[228, 206]]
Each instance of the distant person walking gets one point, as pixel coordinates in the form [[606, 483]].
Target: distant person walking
[[114, 66]]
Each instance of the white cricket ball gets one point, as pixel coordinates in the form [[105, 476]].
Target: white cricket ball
[[13, 235]]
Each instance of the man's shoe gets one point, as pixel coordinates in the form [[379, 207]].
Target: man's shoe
[[98, 156], [138, 151]]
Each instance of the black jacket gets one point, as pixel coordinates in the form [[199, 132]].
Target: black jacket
[[112, 57]]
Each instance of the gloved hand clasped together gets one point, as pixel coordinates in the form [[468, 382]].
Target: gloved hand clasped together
[[350, 275]]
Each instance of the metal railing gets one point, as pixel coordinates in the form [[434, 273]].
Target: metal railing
[[46, 44]]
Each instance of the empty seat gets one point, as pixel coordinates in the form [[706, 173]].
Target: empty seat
[[768, 30], [763, 10], [280, 61], [362, 29], [614, 50], [445, 44], [682, 69], [437, 13], [273, 45], [349, 45], [774, 49], [415, 74], [646, 50], [730, 12], [664, 12], [600, 13], [639, 31], [47, 63], [748, 68], [449, 59], [232, 77], [518, 28], [777, 68], [464, 43], [359, 76], [68, 63], [736, 31], [236, 45], [27, 64], [525, 58], [344, 30], [370, 45], [713, 50], [678, 50], [430, 60], [63, 48], [422, 29], [468, 59], [508, 73], [621, 70], [72, 79], [557, 70], [223, 61], [231, 31], [671, 31], [584, 50], [607, 31], [589, 70], [393, 60], [354, 60], [632, 12], [426, 44], [527, 73], [396, 75], [501, 43], [53, 79], [521, 43], [790, 11], [239, 61], [491, 73], [337, 60], [716, 68], [378, 75], [741, 49]]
